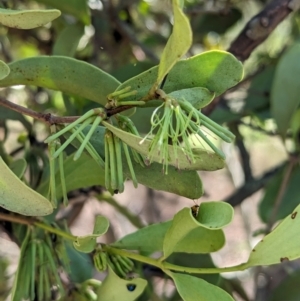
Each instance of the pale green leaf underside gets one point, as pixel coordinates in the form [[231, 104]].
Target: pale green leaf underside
[[192, 288], [204, 159], [87, 243], [183, 235], [114, 288], [27, 19], [64, 74], [17, 197], [178, 43], [281, 244], [196, 239], [215, 215], [4, 70], [285, 88], [198, 97], [214, 70]]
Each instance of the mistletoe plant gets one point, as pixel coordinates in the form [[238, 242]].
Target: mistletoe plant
[[110, 150]]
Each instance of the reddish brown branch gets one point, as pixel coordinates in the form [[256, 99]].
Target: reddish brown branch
[[260, 26]]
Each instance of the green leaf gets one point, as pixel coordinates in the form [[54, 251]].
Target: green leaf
[[17, 197], [87, 243], [18, 167], [178, 43], [191, 288], [215, 215], [27, 19], [288, 289], [6, 114], [199, 97], [282, 244], [214, 70], [68, 39], [204, 159], [189, 236], [77, 8], [184, 183], [80, 264], [148, 239], [64, 74], [78, 174], [290, 198], [114, 288], [4, 70], [285, 89]]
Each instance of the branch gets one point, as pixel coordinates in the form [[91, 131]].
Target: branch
[[251, 187], [260, 26]]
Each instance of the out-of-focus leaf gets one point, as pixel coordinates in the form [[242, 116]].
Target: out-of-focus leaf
[[288, 289], [214, 70], [285, 89], [290, 197], [204, 159], [259, 90], [7, 114], [280, 245], [77, 8], [68, 40], [64, 74], [87, 243], [178, 43], [218, 24], [17, 197], [4, 70], [18, 167], [27, 19], [192, 288], [114, 288]]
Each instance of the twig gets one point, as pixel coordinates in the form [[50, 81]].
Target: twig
[[285, 181], [260, 26], [251, 187], [243, 152]]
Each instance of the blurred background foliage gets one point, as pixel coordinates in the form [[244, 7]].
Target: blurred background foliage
[[126, 37]]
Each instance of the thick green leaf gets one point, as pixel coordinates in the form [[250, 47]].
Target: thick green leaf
[[87, 243], [68, 40], [285, 90], [192, 288], [204, 159], [78, 174], [288, 289], [114, 288], [199, 97], [148, 239], [185, 183], [4, 70], [18, 167], [27, 19], [77, 8], [64, 74], [178, 43], [17, 197], [188, 235], [281, 244], [215, 215], [80, 264], [214, 70], [290, 198]]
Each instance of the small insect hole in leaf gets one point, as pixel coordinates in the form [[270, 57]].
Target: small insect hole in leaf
[[131, 287], [283, 259]]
